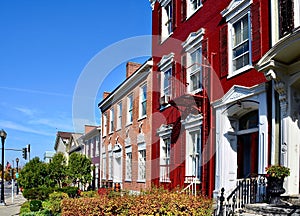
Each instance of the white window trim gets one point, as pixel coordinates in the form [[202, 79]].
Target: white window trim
[[164, 19], [104, 124], [189, 10], [128, 149], [164, 65], [236, 10], [104, 165], [119, 115], [141, 101], [164, 132], [192, 44], [127, 116], [142, 147], [297, 13], [111, 120], [192, 123]]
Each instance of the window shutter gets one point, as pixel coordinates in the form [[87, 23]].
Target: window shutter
[[223, 51], [174, 24], [256, 32], [159, 22], [183, 10]]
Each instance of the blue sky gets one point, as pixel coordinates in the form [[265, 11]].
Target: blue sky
[[44, 47]]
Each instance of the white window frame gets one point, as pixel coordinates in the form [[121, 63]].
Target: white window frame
[[190, 7], [129, 109], [128, 172], [92, 147], [234, 13], [142, 159], [97, 145], [104, 165], [119, 115], [193, 160], [104, 124], [193, 44], [143, 100], [164, 132], [111, 120], [87, 149], [165, 66], [166, 19], [296, 13]]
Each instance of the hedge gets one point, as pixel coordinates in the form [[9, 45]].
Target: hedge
[[156, 202]]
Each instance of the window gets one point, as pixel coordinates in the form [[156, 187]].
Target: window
[[104, 165], [91, 142], [143, 100], [241, 43], [166, 18], [110, 165], [112, 113], [193, 6], [193, 49], [193, 160], [237, 15], [165, 159], [130, 108], [195, 153], [97, 146], [87, 150], [142, 161], [165, 66], [119, 120], [104, 124], [128, 163], [164, 132], [167, 82]]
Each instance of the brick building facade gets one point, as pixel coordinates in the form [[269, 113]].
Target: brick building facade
[[126, 127]]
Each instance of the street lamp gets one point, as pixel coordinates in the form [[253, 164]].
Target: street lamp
[[3, 137], [17, 175]]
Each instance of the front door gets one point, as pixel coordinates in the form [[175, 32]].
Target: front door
[[247, 155]]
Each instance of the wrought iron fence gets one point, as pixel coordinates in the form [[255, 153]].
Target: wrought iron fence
[[247, 191]]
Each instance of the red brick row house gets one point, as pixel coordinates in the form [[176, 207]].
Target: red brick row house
[[214, 119], [215, 126], [126, 126]]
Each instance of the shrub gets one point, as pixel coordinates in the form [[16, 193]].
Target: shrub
[[25, 208], [71, 191], [35, 205], [54, 202], [41, 193], [155, 202], [88, 194]]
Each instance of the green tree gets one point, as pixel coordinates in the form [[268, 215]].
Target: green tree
[[34, 174], [79, 168], [58, 169]]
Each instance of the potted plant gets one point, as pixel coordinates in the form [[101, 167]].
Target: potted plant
[[275, 178]]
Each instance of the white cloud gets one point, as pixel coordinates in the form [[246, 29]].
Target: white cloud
[[19, 127]]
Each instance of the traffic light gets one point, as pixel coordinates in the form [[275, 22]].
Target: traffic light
[[24, 153]]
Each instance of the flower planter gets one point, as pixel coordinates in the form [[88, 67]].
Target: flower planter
[[275, 189]]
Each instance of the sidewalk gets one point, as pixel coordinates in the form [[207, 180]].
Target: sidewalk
[[12, 208]]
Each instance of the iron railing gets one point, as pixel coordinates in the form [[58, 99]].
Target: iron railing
[[247, 191]]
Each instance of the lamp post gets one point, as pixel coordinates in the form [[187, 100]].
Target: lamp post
[[17, 175], [3, 137]]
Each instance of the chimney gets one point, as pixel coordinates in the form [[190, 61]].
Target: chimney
[[89, 128], [105, 94], [131, 67]]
